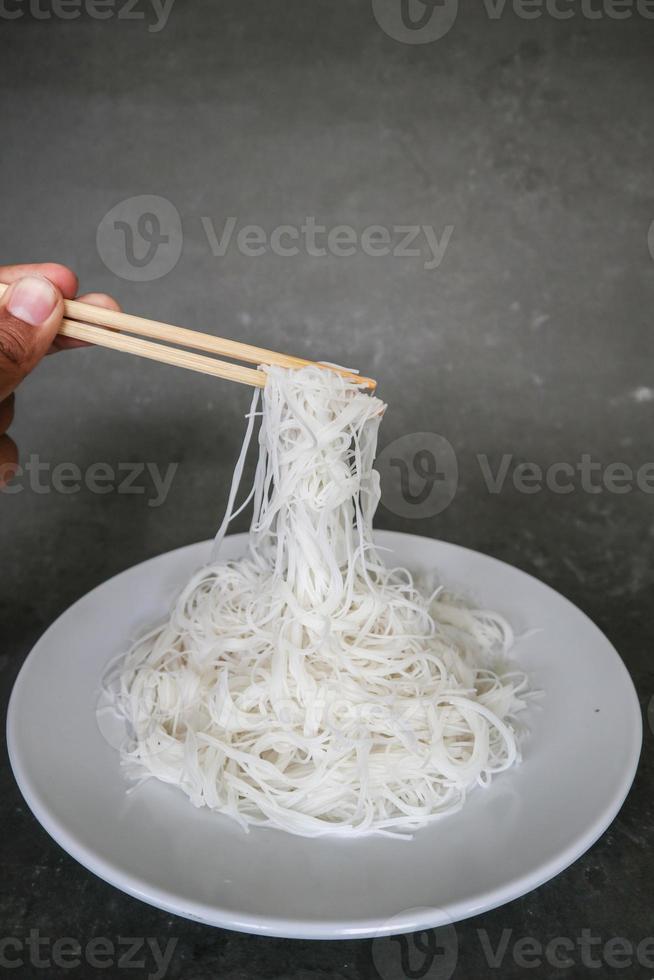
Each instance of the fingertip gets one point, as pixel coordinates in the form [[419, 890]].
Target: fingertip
[[62, 277], [93, 299], [100, 299]]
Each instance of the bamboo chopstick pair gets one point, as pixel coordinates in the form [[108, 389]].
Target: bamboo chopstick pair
[[108, 328]]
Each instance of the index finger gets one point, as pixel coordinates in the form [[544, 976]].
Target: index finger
[[93, 299]]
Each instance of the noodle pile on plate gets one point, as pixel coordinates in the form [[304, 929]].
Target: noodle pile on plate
[[307, 686]]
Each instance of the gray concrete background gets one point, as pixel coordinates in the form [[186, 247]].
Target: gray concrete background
[[534, 139]]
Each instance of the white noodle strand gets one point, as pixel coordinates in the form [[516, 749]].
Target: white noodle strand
[[307, 686]]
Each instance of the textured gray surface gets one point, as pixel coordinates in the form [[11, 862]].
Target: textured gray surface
[[534, 139]]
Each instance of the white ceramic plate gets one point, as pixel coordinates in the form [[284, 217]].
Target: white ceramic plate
[[579, 762]]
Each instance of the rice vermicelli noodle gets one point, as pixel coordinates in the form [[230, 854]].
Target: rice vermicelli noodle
[[307, 686]]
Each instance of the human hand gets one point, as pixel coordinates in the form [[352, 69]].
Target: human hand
[[31, 311]]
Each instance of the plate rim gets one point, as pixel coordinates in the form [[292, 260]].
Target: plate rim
[[324, 929]]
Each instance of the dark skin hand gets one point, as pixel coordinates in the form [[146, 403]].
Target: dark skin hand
[[31, 312]]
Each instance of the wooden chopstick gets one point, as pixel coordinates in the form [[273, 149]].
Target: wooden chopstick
[[163, 353], [84, 313], [192, 338]]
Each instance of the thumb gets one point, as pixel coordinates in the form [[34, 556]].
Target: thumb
[[31, 312]]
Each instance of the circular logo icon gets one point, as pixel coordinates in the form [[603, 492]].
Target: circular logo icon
[[140, 239], [419, 475], [415, 21], [428, 954]]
